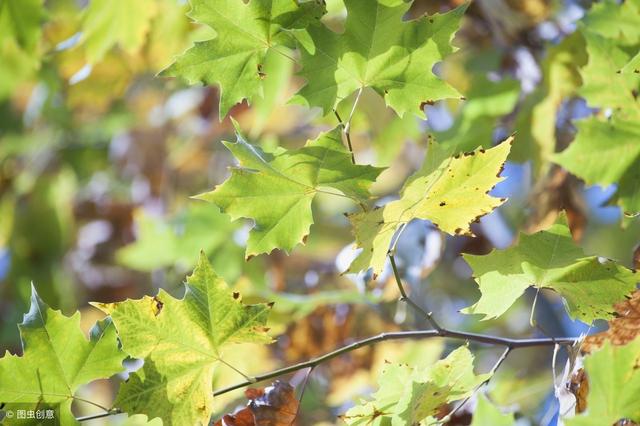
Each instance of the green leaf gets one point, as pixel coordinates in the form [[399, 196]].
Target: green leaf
[[605, 153], [162, 243], [488, 414], [108, 23], [246, 31], [536, 123], [20, 20], [615, 19], [550, 259], [379, 50], [614, 386], [450, 192], [57, 359], [276, 190], [604, 84], [182, 341], [476, 122], [20, 31], [407, 396]]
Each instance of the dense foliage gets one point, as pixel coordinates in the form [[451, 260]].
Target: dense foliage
[[388, 212]]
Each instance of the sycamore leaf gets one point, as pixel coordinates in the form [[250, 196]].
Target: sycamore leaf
[[57, 359], [379, 50], [605, 153], [486, 413], [182, 341], [614, 386], [550, 259], [407, 396], [477, 120], [116, 22], [276, 190], [604, 84], [246, 31], [608, 152], [560, 80], [275, 405], [450, 192], [625, 15]]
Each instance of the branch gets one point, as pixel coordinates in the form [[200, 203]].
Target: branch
[[399, 335], [346, 127]]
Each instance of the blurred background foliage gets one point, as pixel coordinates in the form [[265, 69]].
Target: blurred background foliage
[[98, 159]]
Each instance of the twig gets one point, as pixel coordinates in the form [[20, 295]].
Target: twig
[[346, 126], [399, 335], [495, 367], [405, 298], [99, 415], [304, 387]]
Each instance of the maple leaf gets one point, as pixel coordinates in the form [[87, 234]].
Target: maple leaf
[[604, 153], [57, 359], [181, 342], [550, 259], [450, 192], [379, 50], [276, 190], [614, 386], [275, 405], [116, 22], [407, 396], [246, 31], [607, 152]]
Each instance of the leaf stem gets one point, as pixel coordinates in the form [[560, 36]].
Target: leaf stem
[[346, 126], [406, 299]]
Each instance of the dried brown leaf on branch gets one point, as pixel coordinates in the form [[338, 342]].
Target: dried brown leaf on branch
[[275, 405], [622, 329]]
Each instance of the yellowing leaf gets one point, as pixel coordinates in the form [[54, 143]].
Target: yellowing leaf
[[407, 396], [379, 50], [450, 192], [57, 359], [276, 190], [181, 342], [550, 259]]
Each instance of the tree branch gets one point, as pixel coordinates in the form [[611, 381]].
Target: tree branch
[[399, 335]]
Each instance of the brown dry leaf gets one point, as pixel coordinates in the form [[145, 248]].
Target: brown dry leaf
[[558, 191], [579, 387], [275, 405], [622, 329]]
